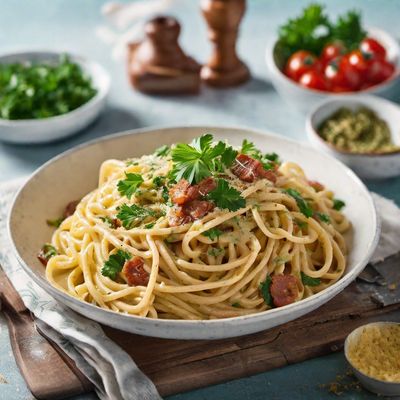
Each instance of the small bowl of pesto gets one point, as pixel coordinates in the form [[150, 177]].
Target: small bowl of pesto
[[373, 352], [361, 131], [47, 96]]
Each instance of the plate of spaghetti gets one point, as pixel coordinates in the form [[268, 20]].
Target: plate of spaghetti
[[219, 232]]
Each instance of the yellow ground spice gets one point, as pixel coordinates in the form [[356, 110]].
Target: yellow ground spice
[[376, 352]]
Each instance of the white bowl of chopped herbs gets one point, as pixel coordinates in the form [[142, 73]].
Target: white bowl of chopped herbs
[[46, 96], [312, 31]]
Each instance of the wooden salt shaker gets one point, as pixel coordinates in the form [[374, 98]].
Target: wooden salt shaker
[[224, 67], [158, 65]]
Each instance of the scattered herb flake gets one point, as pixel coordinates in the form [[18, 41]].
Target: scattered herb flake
[[226, 197], [215, 251], [236, 304], [309, 281], [324, 217], [127, 187], [265, 291], [133, 215], [338, 204], [213, 233], [55, 222], [115, 264], [162, 151], [304, 207]]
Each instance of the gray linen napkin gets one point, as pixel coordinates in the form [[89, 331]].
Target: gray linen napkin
[[111, 370]]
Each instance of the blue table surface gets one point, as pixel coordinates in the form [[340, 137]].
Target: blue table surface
[[71, 25]]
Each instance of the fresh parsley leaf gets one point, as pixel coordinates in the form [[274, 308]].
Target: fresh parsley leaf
[[213, 233], [131, 162], [165, 194], [309, 281], [265, 291], [127, 187], [162, 151], [348, 30], [228, 156], [215, 251], [338, 204], [133, 215], [55, 222], [324, 218], [272, 157], [304, 207], [158, 181], [149, 226], [115, 263], [236, 304], [250, 149], [225, 196], [49, 251]]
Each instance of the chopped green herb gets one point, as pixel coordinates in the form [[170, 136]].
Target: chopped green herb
[[115, 264], [162, 151], [34, 90], [55, 222], [236, 304], [159, 181], [272, 157], [304, 207], [215, 251], [128, 186], [49, 251], [324, 218], [268, 160], [149, 226], [131, 162], [309, 281], [280, 260], [111, 222], [250, 149], [213, 233], [338, 204], [228, 156], [131, 216], [225, 196], [165, 194], [301, 224], [265, 291]]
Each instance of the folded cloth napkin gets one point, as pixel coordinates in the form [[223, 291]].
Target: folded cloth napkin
[[112, 371]]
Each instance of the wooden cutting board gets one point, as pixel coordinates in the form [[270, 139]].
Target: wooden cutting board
[[176, 365]]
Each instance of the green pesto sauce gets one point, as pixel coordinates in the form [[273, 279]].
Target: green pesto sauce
[[359, 131]]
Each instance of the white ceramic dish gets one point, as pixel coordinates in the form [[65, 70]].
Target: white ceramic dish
[[305, 99], [382, 388], [76, 171], [55, 128], [373, 166]]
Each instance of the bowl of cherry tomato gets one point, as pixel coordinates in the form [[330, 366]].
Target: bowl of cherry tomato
[[347, 60]]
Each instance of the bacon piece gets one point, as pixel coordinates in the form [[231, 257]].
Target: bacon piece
[[249, 169], [134, 272], [197, 209], [316, 185], [284, 289], [177, 217], [70, 208], [42, 258], [183, 192]]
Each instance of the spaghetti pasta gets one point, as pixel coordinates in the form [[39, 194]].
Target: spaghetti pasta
[[149, 247]]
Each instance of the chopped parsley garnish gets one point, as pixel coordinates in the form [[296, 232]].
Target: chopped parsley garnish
[[236, 304], [109, 221], [49, 251], [215, 251], [309, 281], [131, 162], [280, 260], [127, 187], [162, 151], [324, 217], [165, 194], [159, 181], [268, 160], [55, 222], [338, 204], [225, 196], [250, 149], [301, 224], [272, 157], [304, 207], [213, 233], [115, 264], [265, 292], [200, 159], [149, 226], [133, 215]]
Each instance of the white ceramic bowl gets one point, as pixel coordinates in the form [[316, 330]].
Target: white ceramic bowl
[[58, 127], [372, 166], [305, 99], [382, 388], [74, 173]]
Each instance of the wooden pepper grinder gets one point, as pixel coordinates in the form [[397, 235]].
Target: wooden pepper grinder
[[224, 67], [158, 65]]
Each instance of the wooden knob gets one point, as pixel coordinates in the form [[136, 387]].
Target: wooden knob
[[224, 67], [158, 64]]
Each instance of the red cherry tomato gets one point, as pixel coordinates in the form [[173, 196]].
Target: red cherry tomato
[[360, 61], [379, 70], [313, 80], [300, 62], [331, 51], [341, 76], [373, 48]]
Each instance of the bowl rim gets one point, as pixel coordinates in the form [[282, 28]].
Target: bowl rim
[[364, 100], [346, 349], [269, 56], [343, 281], [102, 90]]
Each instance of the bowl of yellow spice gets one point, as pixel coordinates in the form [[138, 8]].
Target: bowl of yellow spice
[[373, 351], [361, 131]]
